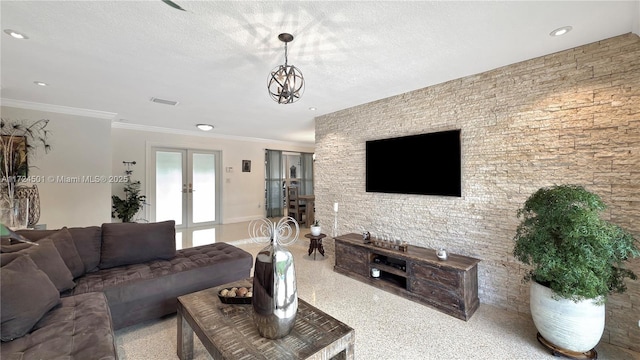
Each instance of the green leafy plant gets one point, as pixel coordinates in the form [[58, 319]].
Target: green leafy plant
[[128, 207], [572, 250], [316, 223]]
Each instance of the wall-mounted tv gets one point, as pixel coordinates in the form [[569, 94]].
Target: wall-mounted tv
[[424, 164]]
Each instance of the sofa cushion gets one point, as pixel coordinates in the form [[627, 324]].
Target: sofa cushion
[[133, 243], [87, 240], [26, 294], [48, 259], [80, 328], [14, 247], [162, 281], [67, 248]]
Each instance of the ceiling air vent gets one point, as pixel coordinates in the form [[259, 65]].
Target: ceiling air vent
[[163, 101]]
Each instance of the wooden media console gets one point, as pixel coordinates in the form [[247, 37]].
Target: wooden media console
[[450, 286]]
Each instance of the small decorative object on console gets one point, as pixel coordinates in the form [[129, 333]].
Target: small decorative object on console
[[366, 236], [441, 254], [375, 273], [389, 244]]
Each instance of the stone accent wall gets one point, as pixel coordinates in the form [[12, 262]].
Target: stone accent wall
[[571, 117]]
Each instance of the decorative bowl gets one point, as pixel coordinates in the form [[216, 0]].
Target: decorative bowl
[[224, 297]]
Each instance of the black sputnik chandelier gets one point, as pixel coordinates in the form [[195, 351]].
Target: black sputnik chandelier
[[286, 84]]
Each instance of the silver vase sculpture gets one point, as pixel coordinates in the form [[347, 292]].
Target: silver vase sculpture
[[275, 294]]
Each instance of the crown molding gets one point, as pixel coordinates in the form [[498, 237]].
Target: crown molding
[[57, 109], [158, 129], [121, 125]]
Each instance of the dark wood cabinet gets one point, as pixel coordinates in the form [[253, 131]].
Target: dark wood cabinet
[[450, 286]]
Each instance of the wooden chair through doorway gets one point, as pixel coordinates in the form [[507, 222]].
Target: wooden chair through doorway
[[296, 208]]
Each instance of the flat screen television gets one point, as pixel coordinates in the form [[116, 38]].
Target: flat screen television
[[424, 164]]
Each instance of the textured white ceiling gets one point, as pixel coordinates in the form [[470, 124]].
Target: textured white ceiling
[[214, 58]]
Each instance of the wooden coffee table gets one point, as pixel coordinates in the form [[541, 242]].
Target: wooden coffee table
[[228, 332]]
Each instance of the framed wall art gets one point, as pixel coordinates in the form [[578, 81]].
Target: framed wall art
[[246, 165]]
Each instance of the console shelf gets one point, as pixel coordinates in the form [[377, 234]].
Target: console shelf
[[450, 286]]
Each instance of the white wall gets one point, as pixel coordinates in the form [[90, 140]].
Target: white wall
[[81, 146], [86, 145], [242, 192]]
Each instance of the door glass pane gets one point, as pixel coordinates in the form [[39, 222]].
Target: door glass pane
[[306, 173], [204, 188], [169, 186], [204, 237], [179, 245], [274, 178]]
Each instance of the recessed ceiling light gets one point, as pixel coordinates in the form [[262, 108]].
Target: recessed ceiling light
[[313, 108], [15, 34], [561, 31], [40, 83], [205, 127]]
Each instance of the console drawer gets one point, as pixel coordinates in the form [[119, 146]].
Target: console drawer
[[439, 296], [447, 278], [352, 258]]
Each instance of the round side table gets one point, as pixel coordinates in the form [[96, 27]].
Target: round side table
[[315, 244]]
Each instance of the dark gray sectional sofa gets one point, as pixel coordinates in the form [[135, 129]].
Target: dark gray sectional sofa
[[114, 276]]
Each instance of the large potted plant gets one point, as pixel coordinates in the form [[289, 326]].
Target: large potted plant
[[125, 209], [577, 260]]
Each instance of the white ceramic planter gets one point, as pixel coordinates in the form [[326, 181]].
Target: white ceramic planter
[[566, 324], [315, 230]]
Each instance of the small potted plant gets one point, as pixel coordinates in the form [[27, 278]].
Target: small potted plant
[[315, 228], [576, 260]]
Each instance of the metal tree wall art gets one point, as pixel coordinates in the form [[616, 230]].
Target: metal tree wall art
[[18, 141], [275, 294]]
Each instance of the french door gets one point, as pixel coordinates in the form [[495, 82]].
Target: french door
[[185, 187], [283, 170]]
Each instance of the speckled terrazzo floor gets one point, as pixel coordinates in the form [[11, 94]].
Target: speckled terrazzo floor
[[386, 326]]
